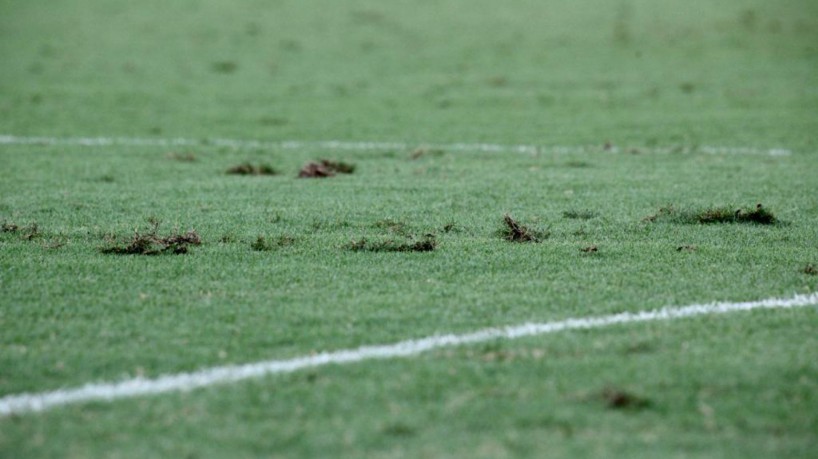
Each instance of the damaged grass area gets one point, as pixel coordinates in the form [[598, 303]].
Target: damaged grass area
[[427, 244], [514, 231], [26, 233], [182, 157], [325, 168], [723, 214], [250, 169], [262, 244], [579, 214], [151, 243]]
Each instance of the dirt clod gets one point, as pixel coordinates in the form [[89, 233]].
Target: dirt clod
[[515, 232], [723, 214], [579, 214], [261, 244], [686, 248], [325, 168], [590, 249], [810, 269], [250, 169], [184, 157], [427, 244], [618, 399], [27, 233]]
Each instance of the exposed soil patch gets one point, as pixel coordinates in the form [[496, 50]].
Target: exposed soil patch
[[325, 168], [515, 232], [151, 243], [724, 214], [810, 269], [250, 169], [686, 248], [427, 244], [590, 249], [618, 399]]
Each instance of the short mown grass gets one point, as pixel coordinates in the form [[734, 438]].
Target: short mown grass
[[670, 101]]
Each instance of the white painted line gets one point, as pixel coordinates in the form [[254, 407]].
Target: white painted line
[[22, 403], [342, 145]]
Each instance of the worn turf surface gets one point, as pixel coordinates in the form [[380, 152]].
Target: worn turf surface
[[413, 241]]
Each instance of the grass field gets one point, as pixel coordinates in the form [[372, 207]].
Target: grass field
[[625, 135]]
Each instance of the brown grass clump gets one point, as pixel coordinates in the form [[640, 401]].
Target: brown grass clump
[[150, 243], [325, 168], [515, 232]]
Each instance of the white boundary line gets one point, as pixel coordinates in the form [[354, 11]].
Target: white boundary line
[[342, 145], [22, 403]]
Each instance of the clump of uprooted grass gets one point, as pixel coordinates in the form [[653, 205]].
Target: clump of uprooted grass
[[426, 244], [723, 214], [151, 243], [251, 169], [514, 231], [325, 168]]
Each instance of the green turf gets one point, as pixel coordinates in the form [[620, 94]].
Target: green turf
[[644, 74]]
